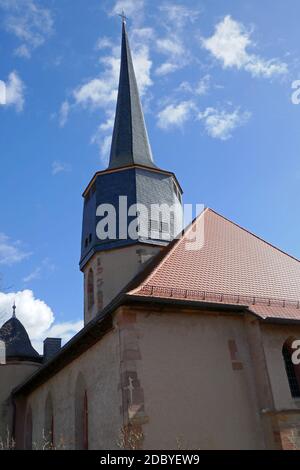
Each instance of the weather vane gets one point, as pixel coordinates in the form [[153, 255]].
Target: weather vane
[[123, 16], [14, 310]]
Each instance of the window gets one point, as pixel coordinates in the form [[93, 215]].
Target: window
[[81, 415], [153, 226], [90, 290], [292, 371], [164, 227], [28, 434], [49, 423], [158, 227], [85, 422]]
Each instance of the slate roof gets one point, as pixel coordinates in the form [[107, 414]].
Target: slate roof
[[130, 143], [230, 266], [17, 342]]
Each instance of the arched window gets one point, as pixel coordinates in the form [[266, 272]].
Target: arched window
[[28, 429], [292, 370], [90, 290], [81, 415], [49, 423]]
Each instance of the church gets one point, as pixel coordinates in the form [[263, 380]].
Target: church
[[190, 335]]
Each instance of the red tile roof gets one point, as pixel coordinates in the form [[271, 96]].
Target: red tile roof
[[231, 266]]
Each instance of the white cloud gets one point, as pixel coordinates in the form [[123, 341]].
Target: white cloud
[[11, 252], [175, 115], [108, 125], [143, 35], [130, 7], [65, 331], [229, 44], [37, 317], [46, 267], [103, 138], [174, 18], [23, 51], [201, 88], [170, 46], [64, 113], [220, 124], [166, 68], [101, 92], [29, 22], [179, 15], [60, 167], [177, 55], [103, 43], [2, 93], [35, 274], [14, 92], [142, 66], [203, 85]]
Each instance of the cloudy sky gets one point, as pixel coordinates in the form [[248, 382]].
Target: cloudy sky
[[216, 82]]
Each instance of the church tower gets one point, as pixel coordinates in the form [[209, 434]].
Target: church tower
[[132, 209]]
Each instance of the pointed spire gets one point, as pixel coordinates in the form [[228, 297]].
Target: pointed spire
[[130, 143], [14, 310]]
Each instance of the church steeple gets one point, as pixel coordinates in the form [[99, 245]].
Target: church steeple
[[132, 209], [130, 143]]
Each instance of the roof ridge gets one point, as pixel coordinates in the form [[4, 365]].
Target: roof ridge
[[253, 234]]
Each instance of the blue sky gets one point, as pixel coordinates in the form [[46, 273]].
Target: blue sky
[[216, 82]]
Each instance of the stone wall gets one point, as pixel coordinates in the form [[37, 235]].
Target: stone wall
[[11, 375], [99, 367], [112, 272], [167, 379], [188, 381]]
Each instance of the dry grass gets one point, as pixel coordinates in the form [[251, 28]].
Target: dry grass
[[8, 442]]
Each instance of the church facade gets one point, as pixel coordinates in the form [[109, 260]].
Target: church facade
[[190, 338]]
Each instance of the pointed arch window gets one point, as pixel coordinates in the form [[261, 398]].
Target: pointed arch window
[[91, 289], [85, 422], [81, 415], [28, 433], [292, 370], [49, 423]]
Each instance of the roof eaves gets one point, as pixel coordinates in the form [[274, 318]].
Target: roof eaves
[[281, 321], [138, 166], [197, 304]]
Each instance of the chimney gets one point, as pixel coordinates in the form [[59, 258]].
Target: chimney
[[52, 346]]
